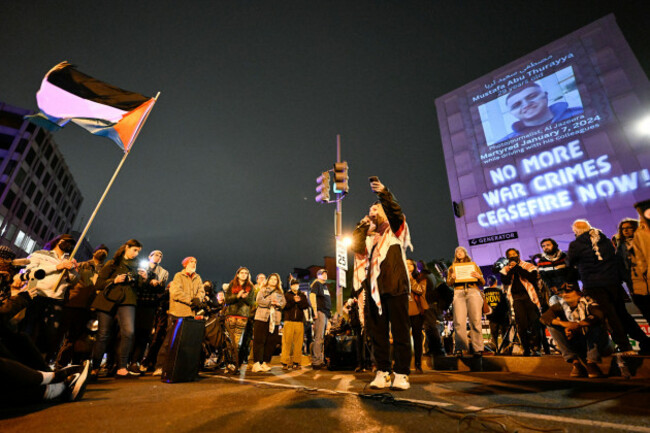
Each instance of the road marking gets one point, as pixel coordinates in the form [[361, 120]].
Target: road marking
[[345, 381], [515, 414]]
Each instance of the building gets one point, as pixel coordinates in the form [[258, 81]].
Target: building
[[39, 198]]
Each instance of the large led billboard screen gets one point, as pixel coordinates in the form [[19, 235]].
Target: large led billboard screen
[[545, 140]]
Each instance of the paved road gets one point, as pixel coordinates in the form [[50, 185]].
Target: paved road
[[323, 401]]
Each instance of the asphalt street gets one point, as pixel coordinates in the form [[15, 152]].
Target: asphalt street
[[325, 401]]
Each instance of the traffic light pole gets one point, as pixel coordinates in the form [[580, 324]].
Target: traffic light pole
[[338, 224]]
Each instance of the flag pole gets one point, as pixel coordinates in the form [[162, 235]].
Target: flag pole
[[108, 187]]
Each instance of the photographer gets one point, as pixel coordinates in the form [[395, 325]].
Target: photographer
[[521, 278], [186, 298], [43, 316], [149, 295], [76, 310], [118, 283]]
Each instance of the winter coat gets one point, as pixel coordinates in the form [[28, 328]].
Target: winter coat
[[641, 262], [265, 299], [597, 270], [293, 311], [112, 295], [236, 306], [182, 290]]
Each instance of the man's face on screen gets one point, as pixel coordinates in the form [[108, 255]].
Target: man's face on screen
[[529, 104]]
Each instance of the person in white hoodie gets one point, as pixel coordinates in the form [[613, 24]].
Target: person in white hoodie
[[43, 316]]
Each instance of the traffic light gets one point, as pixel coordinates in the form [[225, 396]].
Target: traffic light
[[341, 177], [323, 188]]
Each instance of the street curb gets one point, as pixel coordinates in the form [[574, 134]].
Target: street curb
[[639, 366]]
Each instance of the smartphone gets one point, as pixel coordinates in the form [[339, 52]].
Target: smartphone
[[373, 179]]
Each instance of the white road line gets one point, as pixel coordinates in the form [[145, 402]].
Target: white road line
[[555, 418]]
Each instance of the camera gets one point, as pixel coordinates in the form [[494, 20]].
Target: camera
[[32, 274], [501, 263], [130, 278]]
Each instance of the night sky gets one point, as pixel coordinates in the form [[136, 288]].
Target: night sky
[[253, 94]]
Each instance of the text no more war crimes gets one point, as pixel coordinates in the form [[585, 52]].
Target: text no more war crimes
[[547, 191]]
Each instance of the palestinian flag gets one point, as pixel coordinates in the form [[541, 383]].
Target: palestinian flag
[[68, 95]]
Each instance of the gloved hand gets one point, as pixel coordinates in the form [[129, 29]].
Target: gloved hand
[[195, 304]]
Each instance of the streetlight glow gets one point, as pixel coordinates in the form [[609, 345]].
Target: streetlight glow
[[347, 241]]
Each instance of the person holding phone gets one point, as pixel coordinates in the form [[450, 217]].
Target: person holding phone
[[379, 242]]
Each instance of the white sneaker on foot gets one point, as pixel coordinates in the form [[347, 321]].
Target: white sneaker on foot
[[381, 381], [158, 372], [257, 367], [401, 381], [265, 366]]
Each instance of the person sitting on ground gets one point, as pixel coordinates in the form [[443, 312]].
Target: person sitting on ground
[[576, 323]]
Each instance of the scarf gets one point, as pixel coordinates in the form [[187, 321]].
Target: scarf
[[594, 236], [378, 245]]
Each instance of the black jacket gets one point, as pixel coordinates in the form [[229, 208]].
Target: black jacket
[[293, 310], [393, 277], [595, 273]]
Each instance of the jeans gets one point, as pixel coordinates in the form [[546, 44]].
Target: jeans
[[468, 303], [594, 344], [126, 319], [320, 324]]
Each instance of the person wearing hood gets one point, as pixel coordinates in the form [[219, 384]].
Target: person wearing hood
[[601, 272], [44, 314]]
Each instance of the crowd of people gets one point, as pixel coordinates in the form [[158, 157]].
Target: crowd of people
[[65, 323]]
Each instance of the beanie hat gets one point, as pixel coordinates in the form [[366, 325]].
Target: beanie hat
[[186, 260]]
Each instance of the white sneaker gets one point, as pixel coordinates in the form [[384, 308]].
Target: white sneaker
[[158, 372], [401, 381], [257, 367], [265, 367], [381, 381]]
